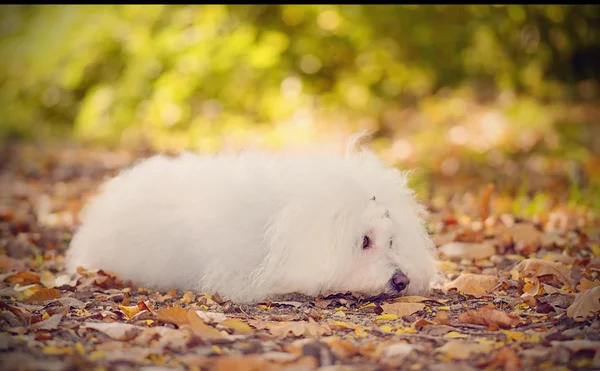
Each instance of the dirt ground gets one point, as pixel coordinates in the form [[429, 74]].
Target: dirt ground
[[521, 294]]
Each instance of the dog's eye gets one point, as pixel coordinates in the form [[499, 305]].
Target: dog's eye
[[366, 242], [390, 243]]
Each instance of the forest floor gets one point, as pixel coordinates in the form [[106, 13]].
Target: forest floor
[[522, 294]]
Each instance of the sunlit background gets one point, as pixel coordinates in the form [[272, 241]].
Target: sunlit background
[[464, 94]]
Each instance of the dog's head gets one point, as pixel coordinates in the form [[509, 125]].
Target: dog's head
[[361, 231]]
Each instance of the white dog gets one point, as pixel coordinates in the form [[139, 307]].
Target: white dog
[[250, 226]]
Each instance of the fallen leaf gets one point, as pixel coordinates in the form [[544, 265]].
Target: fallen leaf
[[473, 284], [442, 318], [395, 350], [129, 311], [531, 289], [43, 295], [47, 279], [456, 335], [585, 284], [211, 317], [412, 299], [23, 278], [237, 325], [402, 309], [585, 303], [539, 267], [200, 328], [310, 328], [507, 359], [486, 316], [51, 323], [463, 250], [187, 298], [174, 315], [342, 348], [114, 330], [462, 350], [525, 236], [484, 203]]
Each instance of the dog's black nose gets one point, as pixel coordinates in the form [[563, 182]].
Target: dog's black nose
[[400, 281]]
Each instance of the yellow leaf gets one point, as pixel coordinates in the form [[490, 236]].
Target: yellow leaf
[[52, 350], [96, 355], [386, 328], [360, 332], [456, 335], [216, 349], [386, 317], [45, 315], [236, 324], [595, 250], [444, 308], [367, 305], [405, 330], [129, 311], [79, 348]]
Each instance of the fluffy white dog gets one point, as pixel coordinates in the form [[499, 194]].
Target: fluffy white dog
[[250, 226]]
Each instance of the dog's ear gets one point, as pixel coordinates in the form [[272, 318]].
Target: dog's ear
[[356, 142]]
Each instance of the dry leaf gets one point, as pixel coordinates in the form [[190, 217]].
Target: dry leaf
[[525, 234], [187, 298], [310, 328], [47, 279], [585, 303], [23, 278], [342, 348], [412, 299], [174, 315], [114, 330], [484, 204], [237, 325], [211, 317], [399, 349], [508, 358], [402, 309], [442, 318], [464, 250], [473, 284], [539, 267], [129, 311], [50, 323], [43, 295], [200, 328], [586, 284], [463, 350], [486, 316], [532, 289]]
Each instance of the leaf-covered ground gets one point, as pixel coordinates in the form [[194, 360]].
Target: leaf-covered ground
[[521, 295]]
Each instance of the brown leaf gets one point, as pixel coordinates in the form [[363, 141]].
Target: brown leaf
[[442, 317], [402, 309], [43, 295], [484, 204], [486, 316], [586, 284], [525, 237], [50, 323], [23, 278], [585, 303], [174, 315], [473, 284], [539, 267], [187, 298]]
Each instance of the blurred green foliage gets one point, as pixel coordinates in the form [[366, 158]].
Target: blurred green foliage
[[207, 76]]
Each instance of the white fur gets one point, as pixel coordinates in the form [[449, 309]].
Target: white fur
[[250, 226]]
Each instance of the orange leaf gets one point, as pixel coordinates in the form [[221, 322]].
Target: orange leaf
[[484, 205], [200, 328], [43, 295], [173, 315], [23, 278], [508, 358]]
